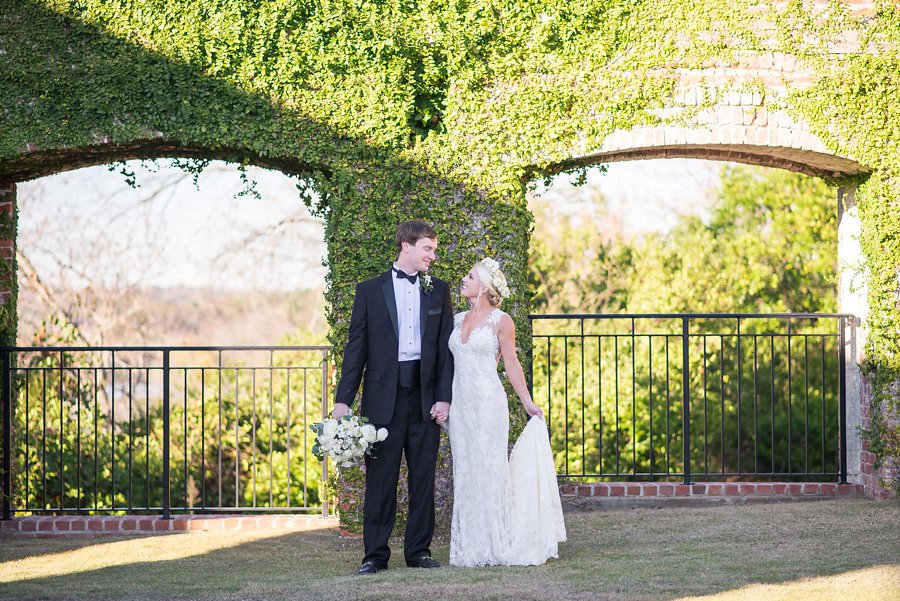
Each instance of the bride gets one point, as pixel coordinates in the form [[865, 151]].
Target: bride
[[505, 512]]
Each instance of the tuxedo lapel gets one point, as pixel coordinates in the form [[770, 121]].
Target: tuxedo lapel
[[387, 287], [423, 309]]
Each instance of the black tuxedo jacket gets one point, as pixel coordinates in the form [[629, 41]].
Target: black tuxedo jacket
[[371, 351]]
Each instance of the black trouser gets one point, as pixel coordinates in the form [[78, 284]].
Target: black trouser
[[409, 432]]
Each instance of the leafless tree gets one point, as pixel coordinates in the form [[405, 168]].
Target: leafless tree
[[89, 270]]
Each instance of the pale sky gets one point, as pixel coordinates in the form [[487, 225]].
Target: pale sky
[[649, 195], [90, 219]]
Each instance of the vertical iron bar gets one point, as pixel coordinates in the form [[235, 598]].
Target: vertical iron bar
[[668, 411], [530, 382], [130, 439], [44, 440], [755, 405], [616, 339], [305, 443], [722, 404], [62, 412], [790, 401], [843, 399], [96, 440], [237, 447], [633, 401], [822, 342], [112, 426], [288, 437], [650, 397], [253, 430], [600, 424], [772, 396], [705, 414], [566, 396], [549, 397], [7, 437], [806, 404], [271, 411], [583, 398], [324, 416], [27, 437], [147, 433], [740, 398], [203, 437], [184, 434], [77, 439], [219, 430], [686, 397], [166, 502]]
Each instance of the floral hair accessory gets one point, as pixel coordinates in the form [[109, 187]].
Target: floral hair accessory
[[499, 279]]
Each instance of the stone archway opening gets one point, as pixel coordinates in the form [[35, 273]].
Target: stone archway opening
[[802, 153], [281, 202], [155, 408], [168, 253]]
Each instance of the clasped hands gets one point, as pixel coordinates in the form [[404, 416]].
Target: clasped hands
[[440, 411]]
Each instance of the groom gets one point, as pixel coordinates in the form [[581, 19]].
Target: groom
[[397, 347]]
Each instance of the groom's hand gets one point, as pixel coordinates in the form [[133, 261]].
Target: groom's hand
[[440, 411], [340, 410]]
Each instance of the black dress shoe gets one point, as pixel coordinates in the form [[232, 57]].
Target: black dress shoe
[[370, 567], [423, 561]]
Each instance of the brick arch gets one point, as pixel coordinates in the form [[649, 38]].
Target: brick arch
[[739, 129], [36, 163], [752, 127]]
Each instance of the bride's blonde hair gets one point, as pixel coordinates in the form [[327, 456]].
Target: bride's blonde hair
[[493, 280]]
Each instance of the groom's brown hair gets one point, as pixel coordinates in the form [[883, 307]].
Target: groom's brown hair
[[412, 231]]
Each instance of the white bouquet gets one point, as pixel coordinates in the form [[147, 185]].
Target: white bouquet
[[346, 440]]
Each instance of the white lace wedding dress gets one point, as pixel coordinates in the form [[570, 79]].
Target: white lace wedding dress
[[505, 512]]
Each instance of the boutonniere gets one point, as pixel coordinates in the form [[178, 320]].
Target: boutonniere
[[426, 284]]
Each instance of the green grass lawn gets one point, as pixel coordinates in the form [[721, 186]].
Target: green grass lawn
[[846, 549]]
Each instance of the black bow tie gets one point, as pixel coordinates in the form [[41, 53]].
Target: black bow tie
[[404, 276]]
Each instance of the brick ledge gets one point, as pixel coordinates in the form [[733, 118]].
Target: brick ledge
[[711, 489], [136, 524]]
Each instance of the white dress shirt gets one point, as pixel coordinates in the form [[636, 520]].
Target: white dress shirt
[[408, 302]]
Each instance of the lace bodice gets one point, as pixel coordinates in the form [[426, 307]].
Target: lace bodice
[[482, 345]]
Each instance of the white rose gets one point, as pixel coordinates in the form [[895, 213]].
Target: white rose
[[382, 434], [369, 434], [329, 428]]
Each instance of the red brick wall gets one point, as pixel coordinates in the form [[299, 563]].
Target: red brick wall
[[7, 245], [871, 477]]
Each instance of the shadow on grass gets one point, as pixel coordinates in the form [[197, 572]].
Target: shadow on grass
[[748, 552]]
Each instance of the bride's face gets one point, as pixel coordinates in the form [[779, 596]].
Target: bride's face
[[470, 285]]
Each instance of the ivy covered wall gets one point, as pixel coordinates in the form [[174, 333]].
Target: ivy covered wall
[[445, 111]]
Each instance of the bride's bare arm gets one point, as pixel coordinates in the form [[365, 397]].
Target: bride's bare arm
[[507, 337]]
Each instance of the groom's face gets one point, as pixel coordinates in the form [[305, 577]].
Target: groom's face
[[419, 256]]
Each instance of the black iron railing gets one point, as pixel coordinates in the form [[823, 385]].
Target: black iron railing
[[162, 429], [694, 396]]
